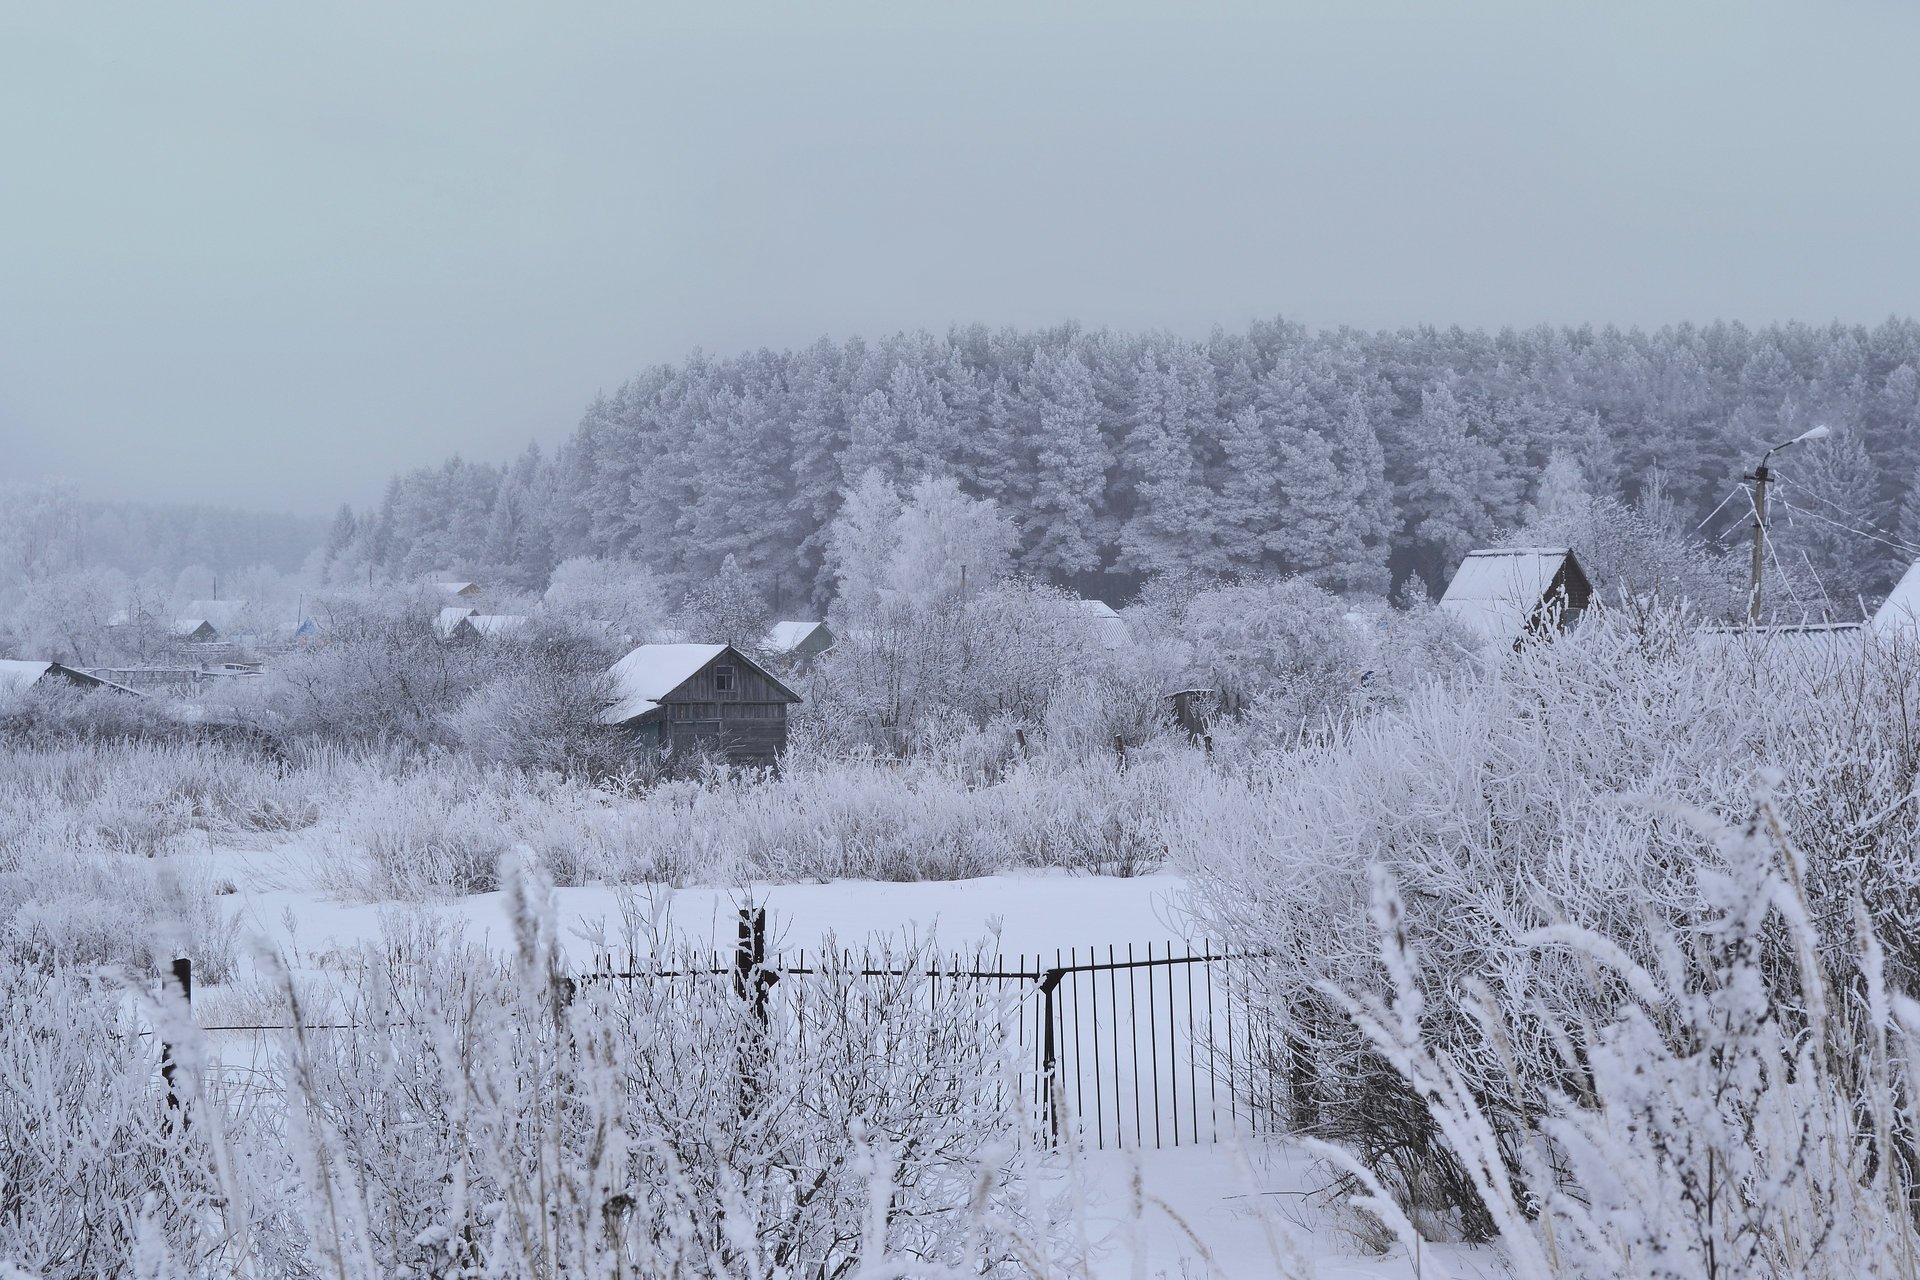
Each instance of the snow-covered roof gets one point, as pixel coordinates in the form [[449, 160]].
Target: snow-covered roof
[[1497, 593], [18, 675], [496, 624], [1109, 627], [1900, 611], [785, 637], [448, 618], [458, 588], [220, 613], [186, 627], [650, 673]]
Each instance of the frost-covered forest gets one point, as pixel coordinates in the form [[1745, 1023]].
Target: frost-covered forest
[[1362, 459]]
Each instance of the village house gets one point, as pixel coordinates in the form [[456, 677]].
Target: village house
[[681, 698], [791, 644], [1508, 594]]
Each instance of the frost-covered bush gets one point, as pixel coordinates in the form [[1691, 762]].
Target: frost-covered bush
[[98, 1176], [900, 671], [539, 701], [55, 716], [1517, 799], [382, 675], [1727, 1110], [483, 1118], [489, 1119]]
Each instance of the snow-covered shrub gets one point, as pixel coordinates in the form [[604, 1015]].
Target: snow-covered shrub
[[381, 675], [433, 831], [895, 675], [1727, 1110], [98, 1176], [538, 704], [55, 716], [1514, 800], [490, 1119]]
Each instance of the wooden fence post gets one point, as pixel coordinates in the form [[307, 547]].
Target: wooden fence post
[[750, 977], [182, 975], [750, 982]]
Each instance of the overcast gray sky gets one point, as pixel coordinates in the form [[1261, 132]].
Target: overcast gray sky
[[264, 255]]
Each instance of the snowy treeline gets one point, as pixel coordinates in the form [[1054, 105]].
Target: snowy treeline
[[50, 528], [1361, 459]]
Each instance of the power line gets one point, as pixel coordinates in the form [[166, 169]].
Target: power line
[[1901, 547], [1731, 494], [1890, 537]]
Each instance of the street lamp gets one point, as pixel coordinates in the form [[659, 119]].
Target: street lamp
[[1759, 478]]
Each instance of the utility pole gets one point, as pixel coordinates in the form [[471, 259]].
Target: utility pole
[[1759, 478]]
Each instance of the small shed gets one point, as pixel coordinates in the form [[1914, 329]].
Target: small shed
[[194, 630], [1508, 594], [18, 676], [793, 643], [685, 697]]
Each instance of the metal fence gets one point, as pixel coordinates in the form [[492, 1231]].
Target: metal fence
[[1141, 1046]]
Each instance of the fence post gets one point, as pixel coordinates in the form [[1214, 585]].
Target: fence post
[[750, 980], [750, 977], [1049, 1052], [182, 975]]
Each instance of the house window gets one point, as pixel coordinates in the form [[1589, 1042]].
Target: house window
[[723, 680]]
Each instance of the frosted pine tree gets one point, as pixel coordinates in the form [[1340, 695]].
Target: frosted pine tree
[[1363, 464], [873, 436], [1456, 488], [1070, 465], [1320, 524], [1247, 500], [1172, 510]]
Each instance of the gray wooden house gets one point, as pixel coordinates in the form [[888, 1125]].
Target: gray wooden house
[[686, 697]]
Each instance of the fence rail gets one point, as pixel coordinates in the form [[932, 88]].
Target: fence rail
[[1123, 1046]]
